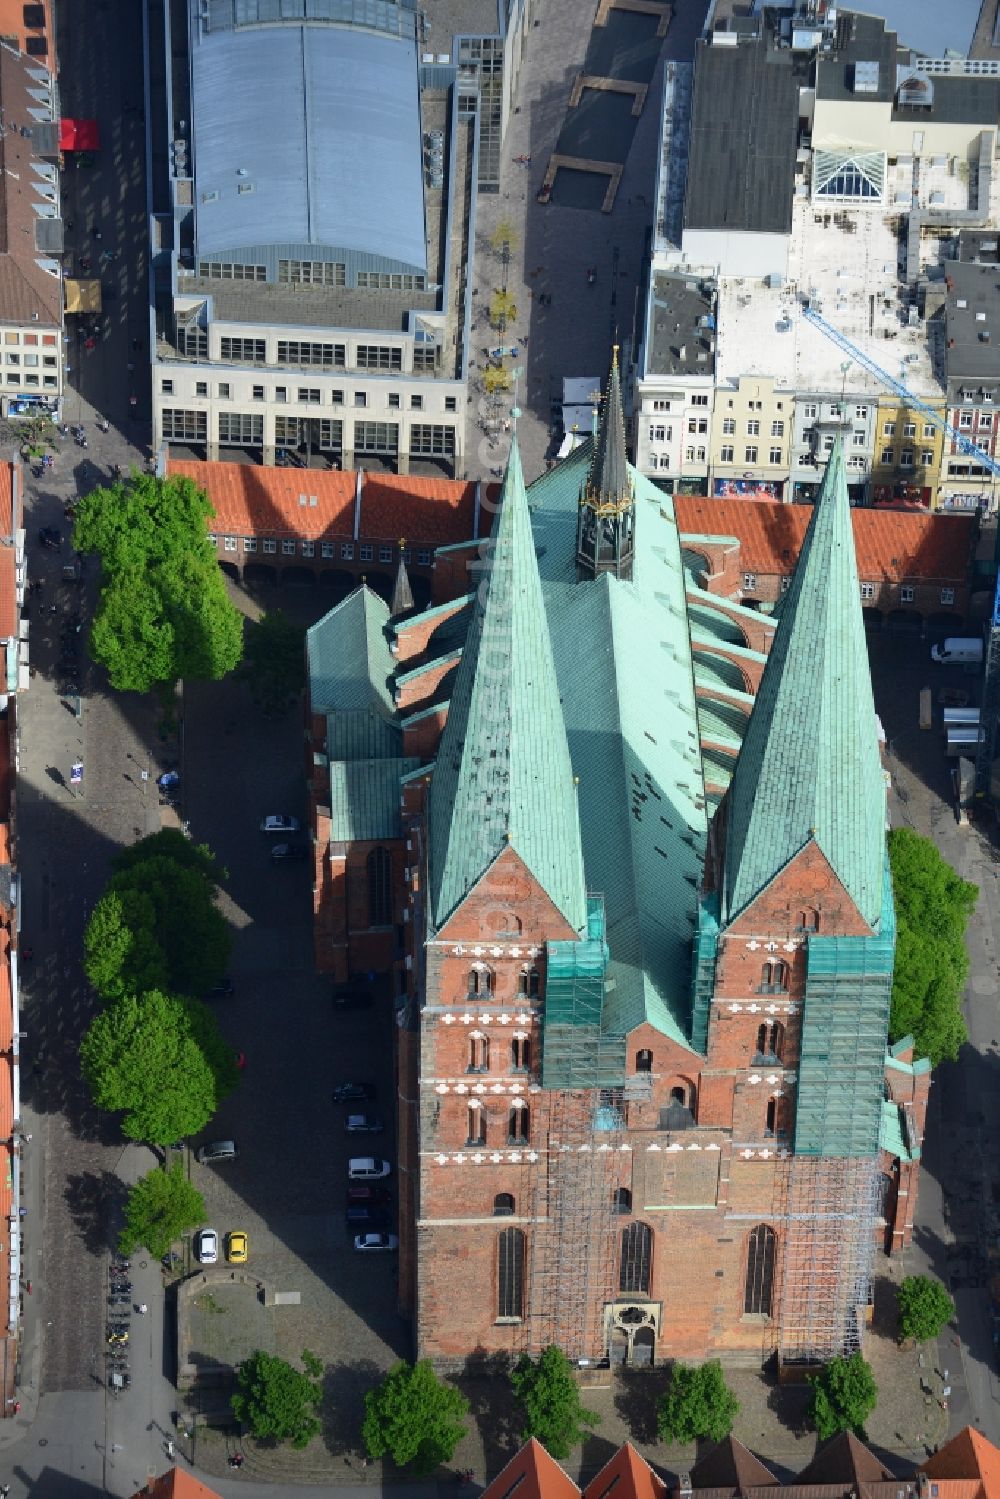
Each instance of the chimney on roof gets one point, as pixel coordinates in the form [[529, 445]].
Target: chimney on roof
[[923, 1485], [684, 1486]]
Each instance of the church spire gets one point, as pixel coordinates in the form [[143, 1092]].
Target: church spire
[[503, 776], [605, 527], [809, 770], [402, 594]]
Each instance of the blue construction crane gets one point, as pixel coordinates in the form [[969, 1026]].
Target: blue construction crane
[[990, 709]]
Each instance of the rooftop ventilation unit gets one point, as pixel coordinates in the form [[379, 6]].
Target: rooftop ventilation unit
[[913, 90], [866, 77]]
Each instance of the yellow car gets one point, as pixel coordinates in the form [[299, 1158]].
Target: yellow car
[[237, 1247]]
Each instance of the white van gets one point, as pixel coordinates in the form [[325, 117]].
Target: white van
[[958, 650]]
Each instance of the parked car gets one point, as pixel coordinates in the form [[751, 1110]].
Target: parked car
[[353, 998], [288, 851], [224, 989], [206, 1247], [349, 1092], [367, 1168], [360, 1194], [368, 1219], [364, 1124], [279, 822], [237, 1247], [373, 1243], [218, 1150]]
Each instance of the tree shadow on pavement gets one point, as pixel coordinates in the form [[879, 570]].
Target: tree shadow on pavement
[[485, 1383], [637, 1394], [343, 1411], [594, 1454], [94, 1199]]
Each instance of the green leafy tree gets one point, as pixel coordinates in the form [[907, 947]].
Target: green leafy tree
[[275, 662], [414, 1417], [844, 1396], [277, 1401], [550, 1400], [697, 1403], [170, 843], [924, 1307], [933, 906], [162, 1060], [120, 950], [157, 925], [164, 613], [160, 1207]]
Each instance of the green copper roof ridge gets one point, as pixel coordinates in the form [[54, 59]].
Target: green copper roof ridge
[[810, 768], [715, 642], [609, 477], [504, 775], [452, 606], [403, 677], [704, 598]]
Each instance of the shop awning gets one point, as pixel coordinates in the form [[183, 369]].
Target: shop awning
[[79, 135], [82, 296]]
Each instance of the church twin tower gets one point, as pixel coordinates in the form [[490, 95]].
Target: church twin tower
[[656, 1116]]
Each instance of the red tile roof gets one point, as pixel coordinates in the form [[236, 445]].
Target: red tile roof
[[177, 1484], [967, 1455], [6, 780], [437, 511], [255, 501], [533, 1474], [8, 593], [12, 24], [252, 500], [629, 1475], [892, 545], [7, 500]]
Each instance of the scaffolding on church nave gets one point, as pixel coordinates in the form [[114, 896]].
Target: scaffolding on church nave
[[574, 1269]]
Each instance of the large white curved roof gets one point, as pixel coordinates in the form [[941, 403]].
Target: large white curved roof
[[319, 125]]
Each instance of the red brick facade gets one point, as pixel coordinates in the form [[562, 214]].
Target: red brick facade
[[701, 1157]]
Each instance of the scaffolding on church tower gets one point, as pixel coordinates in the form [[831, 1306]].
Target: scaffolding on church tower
[[832, 1183], [826, 1208], [574, 1242]]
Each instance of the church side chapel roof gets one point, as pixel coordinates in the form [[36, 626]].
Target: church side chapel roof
[[348, 659]]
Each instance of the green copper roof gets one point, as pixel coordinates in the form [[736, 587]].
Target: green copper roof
[[631, 720], [365, 799], [503, 773], [362, 734], [810, 767], [348, 658], [609, 479]]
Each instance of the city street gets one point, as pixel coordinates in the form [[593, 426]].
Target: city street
[[957, 1224], [553, 246]]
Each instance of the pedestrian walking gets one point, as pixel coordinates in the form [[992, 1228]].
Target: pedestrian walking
[[142, 1308]]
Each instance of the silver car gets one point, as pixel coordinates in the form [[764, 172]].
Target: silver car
[[279, 822], [375, 1243], [206, 1247]]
